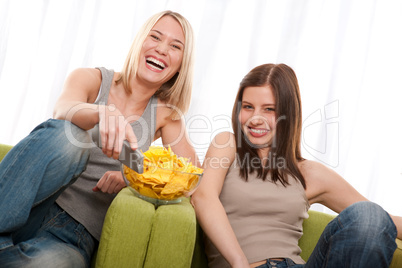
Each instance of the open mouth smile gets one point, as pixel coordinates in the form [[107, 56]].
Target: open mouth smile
[[258, 132], [155, 63]]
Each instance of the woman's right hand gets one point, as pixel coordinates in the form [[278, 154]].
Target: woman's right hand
[[114, 129]]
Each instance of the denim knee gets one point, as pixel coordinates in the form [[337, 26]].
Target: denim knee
[[368, 213], [66, 135], [60, 137], [41, 253], [368, 220], [62, 147], [76, 135]]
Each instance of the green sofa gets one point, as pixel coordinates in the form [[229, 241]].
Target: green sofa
[[138, 234]]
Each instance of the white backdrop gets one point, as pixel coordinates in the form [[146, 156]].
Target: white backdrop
[[347, 55]]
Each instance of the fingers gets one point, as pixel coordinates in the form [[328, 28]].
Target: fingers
[[119, 138], [131, 138], [114, 129], [111, 182]]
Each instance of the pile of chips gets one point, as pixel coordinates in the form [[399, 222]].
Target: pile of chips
[[165, 176]]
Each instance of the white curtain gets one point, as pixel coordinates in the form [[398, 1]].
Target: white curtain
[[347, 55]]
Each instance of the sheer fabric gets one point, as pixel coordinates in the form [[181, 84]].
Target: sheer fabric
[[346, 54]]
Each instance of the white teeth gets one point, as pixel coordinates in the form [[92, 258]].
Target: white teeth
[[155, 63], [258, 131]]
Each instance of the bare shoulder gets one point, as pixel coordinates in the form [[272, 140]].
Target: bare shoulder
[[224, 142], [312, 169], [86, 74], [164, 113], [166, 119], [86, 80], [327, 187], [225, 139], [82, 84], [316, 176], [165, 124], [218, 159], [222, 150]]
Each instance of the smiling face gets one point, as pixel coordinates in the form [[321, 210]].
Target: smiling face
[[257, 115], [162, 52]]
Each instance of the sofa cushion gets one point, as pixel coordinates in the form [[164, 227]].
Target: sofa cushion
[[126, 231], [138, 234]]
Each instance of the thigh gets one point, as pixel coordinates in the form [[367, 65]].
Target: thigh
[[41, 252], [59, 225], [60, 242], [37, 169], [35, 220]]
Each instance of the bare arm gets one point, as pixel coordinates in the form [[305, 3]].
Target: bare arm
[[398, 223], [174, 133], [328, 188], [209, 210], [75, 104]]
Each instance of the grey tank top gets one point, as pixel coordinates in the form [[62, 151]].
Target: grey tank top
[[266, 217], [88, 207]]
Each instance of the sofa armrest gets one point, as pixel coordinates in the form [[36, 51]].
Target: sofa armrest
[[397, 259], [136, 234], [312, 229], [4, 150]]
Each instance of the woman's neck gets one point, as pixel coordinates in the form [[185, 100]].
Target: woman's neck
[[263, 153], [133, 103]]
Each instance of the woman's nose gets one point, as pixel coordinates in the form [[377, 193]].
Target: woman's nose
[[162, 48], [256, 119]]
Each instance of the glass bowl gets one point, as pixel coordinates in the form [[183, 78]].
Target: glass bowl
[[161, 186]]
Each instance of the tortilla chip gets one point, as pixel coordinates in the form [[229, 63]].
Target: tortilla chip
[[165, 176]]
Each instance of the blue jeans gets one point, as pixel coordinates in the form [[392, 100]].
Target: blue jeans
[[286, 262], [362, 235], [34, 231]]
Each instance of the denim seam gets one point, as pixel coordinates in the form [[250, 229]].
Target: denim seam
[[68, 184], [51, 222], [54, 192]]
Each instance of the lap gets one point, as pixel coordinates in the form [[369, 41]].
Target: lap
[[60, 242], [41, 252]]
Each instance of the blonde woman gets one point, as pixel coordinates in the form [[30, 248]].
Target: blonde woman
[[51, 213]]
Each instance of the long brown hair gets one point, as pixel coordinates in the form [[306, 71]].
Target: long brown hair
[[286, 141]]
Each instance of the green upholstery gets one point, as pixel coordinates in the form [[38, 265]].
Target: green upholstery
[[136, 234], [315, 225], [126, 234], [312, 229], [4, 150]]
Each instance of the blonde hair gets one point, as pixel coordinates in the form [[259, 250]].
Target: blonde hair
[[177, 91]]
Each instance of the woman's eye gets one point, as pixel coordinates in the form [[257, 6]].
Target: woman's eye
[[270, 109], [155, 37], [176, 47], [246, 106]]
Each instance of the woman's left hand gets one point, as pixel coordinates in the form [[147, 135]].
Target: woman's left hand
[[111, 182]]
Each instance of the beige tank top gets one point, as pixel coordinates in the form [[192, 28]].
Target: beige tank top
[[266, 217]]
